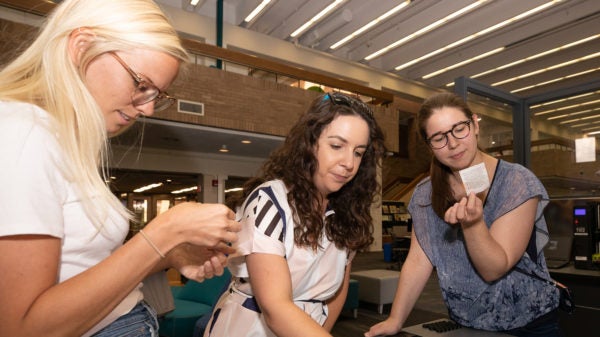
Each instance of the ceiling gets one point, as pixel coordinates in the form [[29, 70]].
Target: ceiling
[[570, 28], [492, 42], [556, 25]]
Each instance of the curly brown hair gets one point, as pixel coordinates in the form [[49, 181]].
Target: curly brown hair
[[295, 164]]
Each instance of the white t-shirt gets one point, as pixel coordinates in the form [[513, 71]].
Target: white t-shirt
[[37, 198]]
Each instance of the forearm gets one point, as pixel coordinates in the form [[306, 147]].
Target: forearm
[[413, 277], [487, 255], [336, 303], [287, 320], [87, 298]]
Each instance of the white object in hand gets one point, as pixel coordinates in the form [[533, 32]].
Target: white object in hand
[[475, 178]]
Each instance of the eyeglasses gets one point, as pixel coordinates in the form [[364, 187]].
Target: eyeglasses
[[339, 99], [459, 130], [145, 91]]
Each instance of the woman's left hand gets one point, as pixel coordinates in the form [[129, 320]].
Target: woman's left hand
[[468, 211], [197, 263]]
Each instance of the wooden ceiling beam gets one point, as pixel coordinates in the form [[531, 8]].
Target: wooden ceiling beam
[[378, 96]]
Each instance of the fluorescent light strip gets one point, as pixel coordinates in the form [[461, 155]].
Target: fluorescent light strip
[[566, 107], [460, 64], [194, 2], [424, 30], [579, 119], [580, 125], [533, 57], [476, 35], [257, 10], [539, 71], [183, 190], [147, 187], [563, 100], [570, 114], [316, 18], [556, 80], [235, 189], [370, 24]]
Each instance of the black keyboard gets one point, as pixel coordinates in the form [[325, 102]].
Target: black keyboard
[[442, 326]]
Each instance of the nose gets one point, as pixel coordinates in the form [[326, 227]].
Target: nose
[[348, 160], [452, 142], [146, 109]]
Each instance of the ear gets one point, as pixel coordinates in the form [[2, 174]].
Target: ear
[[80, 40], [475, 124]]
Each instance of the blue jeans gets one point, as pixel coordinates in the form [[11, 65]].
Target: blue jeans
[[543, 326], [139, 322]]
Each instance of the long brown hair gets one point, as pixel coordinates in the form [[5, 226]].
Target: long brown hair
[[295, 164], [441, 193]]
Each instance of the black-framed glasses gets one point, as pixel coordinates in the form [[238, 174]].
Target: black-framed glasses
[[145, 91], [459, 130], [340, 99]]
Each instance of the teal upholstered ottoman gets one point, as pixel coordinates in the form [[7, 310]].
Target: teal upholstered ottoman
[[352, 298], [192, 301]]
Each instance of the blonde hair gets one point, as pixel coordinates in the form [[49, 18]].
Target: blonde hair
[[44, 75]]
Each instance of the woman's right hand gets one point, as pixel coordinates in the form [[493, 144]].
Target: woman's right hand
[[386, 328], [197, 263], [205, 225]]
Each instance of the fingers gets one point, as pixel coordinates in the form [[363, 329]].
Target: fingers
[[224, 248], [217, 267]]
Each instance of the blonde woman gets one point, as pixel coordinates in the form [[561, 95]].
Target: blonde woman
[[96, 66]]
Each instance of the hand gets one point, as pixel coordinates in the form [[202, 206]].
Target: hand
[[207, 225], [197, 263], [468, 211], [385, 328]]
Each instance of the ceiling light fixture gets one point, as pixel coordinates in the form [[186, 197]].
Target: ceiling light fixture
[[585, 72], [257, 10], [460, 64], [370, 24], [147, 187], [224, 149], [579, 119], [562, 100], [316, 18], [246, 141], [424, 30], [533, 57], [573, 106], [539, 71], [478, 34], [183, 190], [235, 189], [573, 114], [194, 2]]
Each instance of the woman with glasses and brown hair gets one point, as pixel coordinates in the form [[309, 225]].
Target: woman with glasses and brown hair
[[96, 66], [302, 220], [482, 244]]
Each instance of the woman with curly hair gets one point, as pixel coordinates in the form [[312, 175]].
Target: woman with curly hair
[[303, 218]]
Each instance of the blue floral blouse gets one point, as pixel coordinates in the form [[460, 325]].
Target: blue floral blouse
[[509, 302]]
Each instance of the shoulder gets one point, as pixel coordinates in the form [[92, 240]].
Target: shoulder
[[423, 189], [24, 128], [274, 190], [515, 174], [19, 120], [421, 195]]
